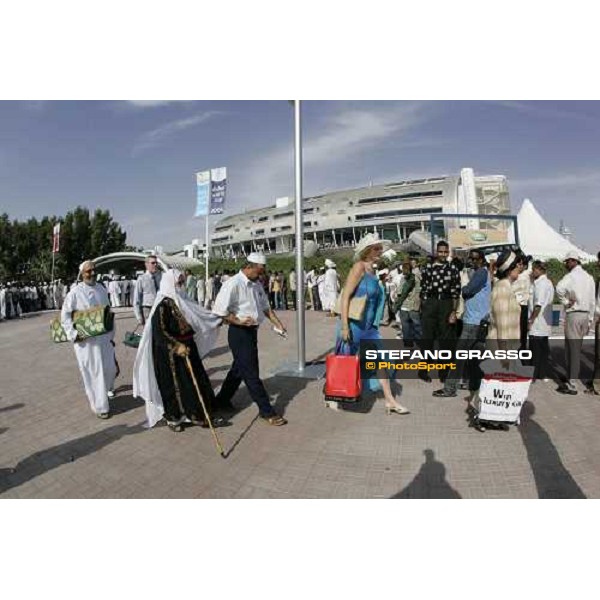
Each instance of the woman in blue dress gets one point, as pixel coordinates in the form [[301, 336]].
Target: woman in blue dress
[[362, 281]]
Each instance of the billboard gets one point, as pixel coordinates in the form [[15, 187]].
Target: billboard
[[202, 193], [467, 238], [218, 186]]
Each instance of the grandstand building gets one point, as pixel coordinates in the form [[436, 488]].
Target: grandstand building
[[339, 219]]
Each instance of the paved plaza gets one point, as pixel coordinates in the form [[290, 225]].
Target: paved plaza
[[52, 446]]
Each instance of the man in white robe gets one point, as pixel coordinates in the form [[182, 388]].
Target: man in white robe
[[95, 355], [200, 290], [331, 286], [2, 302], [114, 289]]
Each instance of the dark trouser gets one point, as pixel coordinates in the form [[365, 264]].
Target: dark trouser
[[466, 341], [411, 326], [294, 300], [243, 344], [434, 318], [523, 326], [540, 360], [316, 299]]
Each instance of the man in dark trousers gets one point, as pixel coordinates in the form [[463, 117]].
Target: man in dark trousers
[[243, 304], [440, 292]]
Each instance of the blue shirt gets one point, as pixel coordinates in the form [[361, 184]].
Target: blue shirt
[[477, 295]]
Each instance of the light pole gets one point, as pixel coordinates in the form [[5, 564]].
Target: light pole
[[299, 238], [300, 369]]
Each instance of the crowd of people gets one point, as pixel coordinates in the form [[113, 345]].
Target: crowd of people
[[177, 333], [17, 299], [504, 299]]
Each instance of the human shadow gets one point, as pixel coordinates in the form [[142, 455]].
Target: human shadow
[[214, 370], [41, 462], [552, 479], [3, 430], [123, 404], [218, 351], [12, 407], [430, 482], [123, 388]]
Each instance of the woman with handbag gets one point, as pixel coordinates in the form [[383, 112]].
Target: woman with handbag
[[360, 322]]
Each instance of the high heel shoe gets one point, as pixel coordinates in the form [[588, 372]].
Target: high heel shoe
[[399, 410]]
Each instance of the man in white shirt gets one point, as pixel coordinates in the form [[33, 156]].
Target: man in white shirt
[[539, 324], [576, 291], [594, 387], [243, 304]]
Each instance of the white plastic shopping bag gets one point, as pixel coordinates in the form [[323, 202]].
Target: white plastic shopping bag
[[503, 391]]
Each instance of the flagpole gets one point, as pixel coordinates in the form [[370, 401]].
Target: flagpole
[[300, 305]]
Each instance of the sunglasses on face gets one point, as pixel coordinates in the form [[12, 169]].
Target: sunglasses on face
[[90, 271]]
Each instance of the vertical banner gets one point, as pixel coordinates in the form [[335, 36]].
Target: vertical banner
[[218, 186], [56, 238], [202, 193]]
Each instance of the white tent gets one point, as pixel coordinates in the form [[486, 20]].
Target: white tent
[[540, 240]]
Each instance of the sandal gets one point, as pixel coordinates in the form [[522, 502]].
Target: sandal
[[275, 420]]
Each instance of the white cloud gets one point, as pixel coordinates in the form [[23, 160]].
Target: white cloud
[[348, 134], [149, 103], [545, 109], [577, 179], [153, 138]]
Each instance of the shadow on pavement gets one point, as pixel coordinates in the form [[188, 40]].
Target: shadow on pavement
[[3, 430], [41, 462], [218, 351], [430, 482], [123, 404], [11, 407], [551, 477]]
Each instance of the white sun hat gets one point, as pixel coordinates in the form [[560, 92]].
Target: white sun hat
[[371, 239]]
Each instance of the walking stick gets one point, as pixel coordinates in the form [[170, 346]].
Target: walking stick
[[215, 436]]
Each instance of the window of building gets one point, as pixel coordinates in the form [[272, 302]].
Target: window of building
[[409, 196], [260, 219], [282, 228], [307, 224], [223, 227], [397, 213], [259, 231], [285, 214]]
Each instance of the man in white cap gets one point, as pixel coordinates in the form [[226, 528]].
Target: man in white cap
[[243, 304], [95, 355], [576, 291]]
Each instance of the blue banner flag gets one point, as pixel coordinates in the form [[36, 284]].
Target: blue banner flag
[[202, 193], [218, 186]]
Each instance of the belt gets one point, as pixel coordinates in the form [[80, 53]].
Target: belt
[[243, 326]]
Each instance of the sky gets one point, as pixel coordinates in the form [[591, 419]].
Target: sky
[[138, 158]]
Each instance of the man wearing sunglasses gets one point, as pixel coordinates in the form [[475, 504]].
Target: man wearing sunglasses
[[95, 355], [146, 288]]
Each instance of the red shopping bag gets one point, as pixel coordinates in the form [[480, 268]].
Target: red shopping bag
[[342, 375]]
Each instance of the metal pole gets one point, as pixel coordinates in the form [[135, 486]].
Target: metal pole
[[206, 250], [299, 239], [52, 265]]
